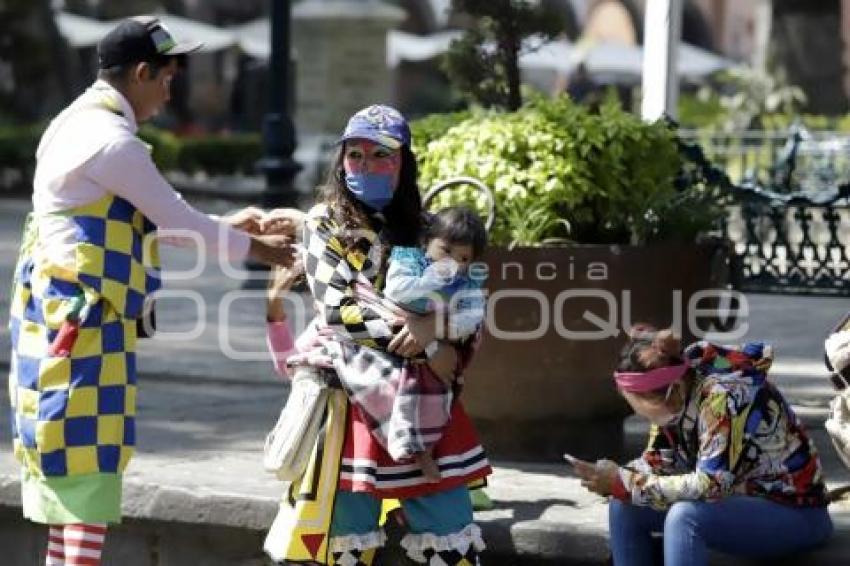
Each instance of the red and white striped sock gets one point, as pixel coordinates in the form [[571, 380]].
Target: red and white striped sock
[[55, 546], [83, 544]]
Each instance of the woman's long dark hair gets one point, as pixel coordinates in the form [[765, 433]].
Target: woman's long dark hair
[[403, 214]]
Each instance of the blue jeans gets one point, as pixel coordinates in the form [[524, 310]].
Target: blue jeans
[[737, 525]]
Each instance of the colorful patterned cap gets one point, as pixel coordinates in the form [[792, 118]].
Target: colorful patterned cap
[[137, 39], [378, 123]]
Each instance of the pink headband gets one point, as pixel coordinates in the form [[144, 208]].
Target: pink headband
[[641, 382]]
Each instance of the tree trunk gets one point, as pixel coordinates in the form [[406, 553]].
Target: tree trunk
[[803, 33], [64, 63], [510, 51]]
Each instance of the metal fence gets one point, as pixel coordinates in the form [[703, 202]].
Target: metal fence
[[788, 208], [787, 161]]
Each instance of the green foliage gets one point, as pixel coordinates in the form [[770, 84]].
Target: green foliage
[[484, 64], [165, 146], [436, 125], [214, 154], [755, 94], [700, 110], [220, 155], [560, 172], [742, 98]]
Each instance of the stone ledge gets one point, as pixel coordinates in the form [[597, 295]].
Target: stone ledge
[[570, 530], [199, 506]]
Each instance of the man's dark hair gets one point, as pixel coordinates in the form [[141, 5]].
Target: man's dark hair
[[458, 225], [119, 73]]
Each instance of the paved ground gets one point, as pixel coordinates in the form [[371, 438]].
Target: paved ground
[[203, 416]]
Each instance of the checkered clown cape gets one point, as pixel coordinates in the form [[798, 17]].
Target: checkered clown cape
[[74, 413]]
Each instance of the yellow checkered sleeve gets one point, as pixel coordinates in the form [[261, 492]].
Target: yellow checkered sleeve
[[331, 273]]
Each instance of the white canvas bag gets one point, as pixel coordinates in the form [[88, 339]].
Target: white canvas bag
[[289, 444]]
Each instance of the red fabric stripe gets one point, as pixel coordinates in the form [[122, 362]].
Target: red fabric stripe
[[81, 561], [89, 544], [459, 436], [95, 529]]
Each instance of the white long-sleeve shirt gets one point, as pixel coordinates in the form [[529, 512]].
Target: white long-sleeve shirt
[[87, 152]]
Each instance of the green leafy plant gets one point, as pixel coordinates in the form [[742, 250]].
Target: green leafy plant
[[165, 146], [560, 172], [743, 98], [220, 154]]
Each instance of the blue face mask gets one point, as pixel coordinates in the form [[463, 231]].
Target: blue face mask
[[375, 190]]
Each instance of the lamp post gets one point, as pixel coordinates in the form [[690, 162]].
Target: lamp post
[[277, 163], [662, 31], [279, 141]]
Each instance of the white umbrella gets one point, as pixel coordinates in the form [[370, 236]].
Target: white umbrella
[[617, 61], [79, 31], [253, 37], [402, 46], [183, 29]]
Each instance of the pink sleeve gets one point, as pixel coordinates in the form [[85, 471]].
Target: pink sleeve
[[125, 168], [281, 345]]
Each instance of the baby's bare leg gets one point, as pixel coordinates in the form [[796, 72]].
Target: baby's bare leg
[[429, 467]]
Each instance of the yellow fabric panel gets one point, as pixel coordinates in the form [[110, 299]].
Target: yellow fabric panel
[[137, 277], [90, 258], [115, 292], [126, 454], [99, 208], [350, 314], [81, 460], [50, 435], [27, 403], [113, 369], [82, 402], [110, 430], [88, 343], [130, 401], [119, 237], [55, 373]]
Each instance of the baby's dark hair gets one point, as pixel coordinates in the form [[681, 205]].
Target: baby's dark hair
[[457, 225]]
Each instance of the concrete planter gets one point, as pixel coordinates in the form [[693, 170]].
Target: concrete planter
[[541, 383]]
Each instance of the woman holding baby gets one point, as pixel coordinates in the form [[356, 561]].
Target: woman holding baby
[[376, 357]]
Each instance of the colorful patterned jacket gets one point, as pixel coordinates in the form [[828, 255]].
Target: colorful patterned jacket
[[737, 435]]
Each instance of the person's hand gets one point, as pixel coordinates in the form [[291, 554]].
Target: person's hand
[[283, 221], [444, 363], [414, 336], [599, 478], [281, 280], [249, 219], [273, 249]]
